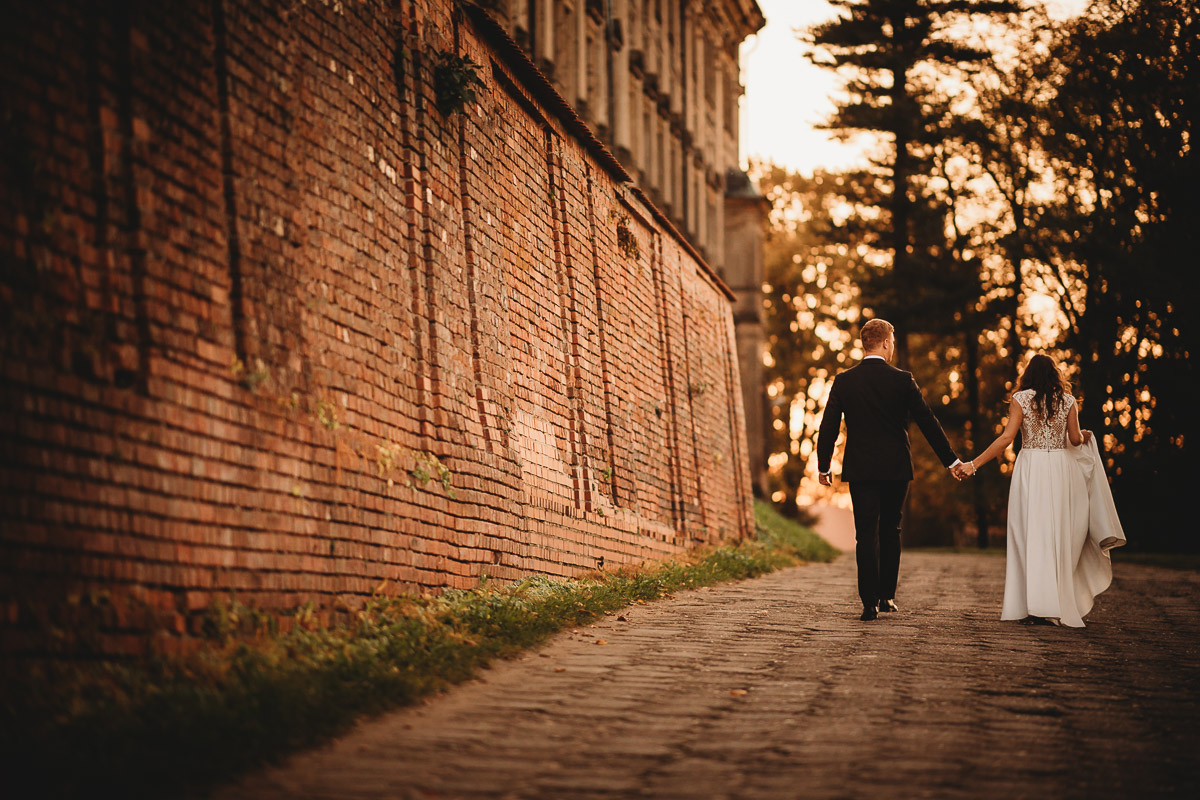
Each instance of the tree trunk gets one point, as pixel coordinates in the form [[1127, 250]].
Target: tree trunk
[[1094, 354], [901, 208], [1016, 344], [978, 495], [901, 274]]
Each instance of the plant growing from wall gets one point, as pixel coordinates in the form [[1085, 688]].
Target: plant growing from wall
[[327, 414], [385, 461], [455, 79], [251, 379], [429, 468], [627, 243]]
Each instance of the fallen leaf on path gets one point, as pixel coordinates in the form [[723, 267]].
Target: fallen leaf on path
[[622, 618], [560, 669], [737, 692], [601, 641]]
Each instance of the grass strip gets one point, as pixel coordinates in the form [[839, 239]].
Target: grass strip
[[250, 696], [778, 533]]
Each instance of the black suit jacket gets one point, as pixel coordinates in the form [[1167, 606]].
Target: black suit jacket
[[878, 402]]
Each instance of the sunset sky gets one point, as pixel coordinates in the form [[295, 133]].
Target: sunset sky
[[787, 97]]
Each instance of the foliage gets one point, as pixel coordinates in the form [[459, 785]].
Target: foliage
[[821, 248], [327, 414], [780, 533], [897, 56], [1045, 201], [627, 243], [1125, 109], [252, 693], [816, 253], [905, 64], [428, 468], [1100, 120], [455, 79]]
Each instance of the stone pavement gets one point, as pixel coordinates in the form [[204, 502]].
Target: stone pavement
[[772, 688]]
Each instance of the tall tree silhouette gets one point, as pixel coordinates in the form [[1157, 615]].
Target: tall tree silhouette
[[1117, 121], [895, 52]]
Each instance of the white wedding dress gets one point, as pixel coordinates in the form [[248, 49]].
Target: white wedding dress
[[1061, 521]]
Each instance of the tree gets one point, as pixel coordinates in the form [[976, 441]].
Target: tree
[[822, 246], [817, 251], [896, 52], [906, 62], [1117, 242]]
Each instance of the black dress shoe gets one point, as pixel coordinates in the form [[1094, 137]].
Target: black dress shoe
[[869, 613], [888, 605]]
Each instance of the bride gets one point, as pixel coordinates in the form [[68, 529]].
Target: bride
[[1061, 519]]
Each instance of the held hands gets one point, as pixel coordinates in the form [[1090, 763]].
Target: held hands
[[825, 478], [963, 470]]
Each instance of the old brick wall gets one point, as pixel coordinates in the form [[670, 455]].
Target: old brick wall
[[275, 325]]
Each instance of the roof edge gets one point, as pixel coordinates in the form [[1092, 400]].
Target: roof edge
[[543, 91]]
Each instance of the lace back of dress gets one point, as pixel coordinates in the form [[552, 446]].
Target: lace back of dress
[[1041, 432]]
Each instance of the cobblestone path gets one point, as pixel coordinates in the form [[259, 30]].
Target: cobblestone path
[[772, 688]]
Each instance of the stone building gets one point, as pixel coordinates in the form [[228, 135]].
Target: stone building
[[658, 82]]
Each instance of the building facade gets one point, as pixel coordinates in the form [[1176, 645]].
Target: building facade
[[658, 82]]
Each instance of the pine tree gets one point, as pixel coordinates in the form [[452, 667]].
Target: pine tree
[[897, 51]]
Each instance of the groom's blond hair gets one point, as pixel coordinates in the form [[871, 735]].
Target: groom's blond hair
[[875, 333]]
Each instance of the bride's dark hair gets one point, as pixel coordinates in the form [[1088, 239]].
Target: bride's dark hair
[[1041, 374]]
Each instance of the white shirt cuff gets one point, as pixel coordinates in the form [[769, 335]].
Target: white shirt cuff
[[957, 461]]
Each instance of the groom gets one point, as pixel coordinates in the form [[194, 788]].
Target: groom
[[878, 401]]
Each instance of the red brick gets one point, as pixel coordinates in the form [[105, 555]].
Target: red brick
[[455, 307]]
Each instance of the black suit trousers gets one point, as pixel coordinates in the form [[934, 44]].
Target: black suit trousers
[[878, 506]]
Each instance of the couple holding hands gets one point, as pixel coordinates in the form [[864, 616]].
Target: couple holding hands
[[1061, 518]]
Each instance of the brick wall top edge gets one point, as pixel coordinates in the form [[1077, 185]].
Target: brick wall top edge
[[542, 90]]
